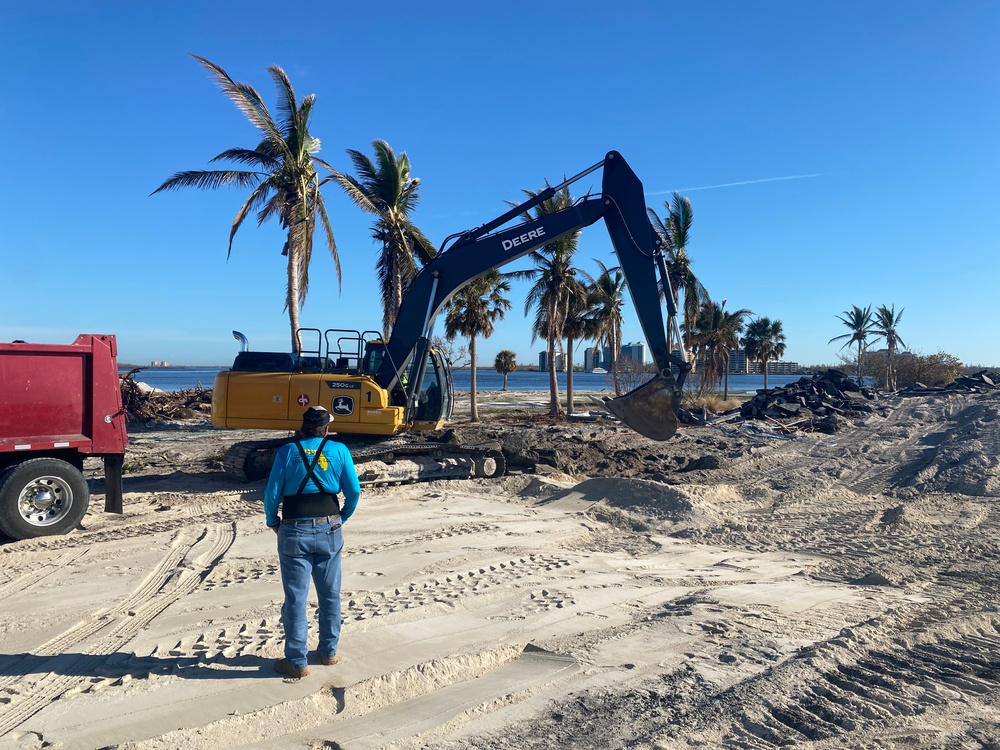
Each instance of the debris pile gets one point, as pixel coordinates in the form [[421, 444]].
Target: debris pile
[[979, 382], [143, 403], [820, 400]]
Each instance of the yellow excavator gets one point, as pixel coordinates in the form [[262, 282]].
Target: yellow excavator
[[378, 391]]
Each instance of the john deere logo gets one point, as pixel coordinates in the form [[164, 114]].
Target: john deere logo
[[342, 406]]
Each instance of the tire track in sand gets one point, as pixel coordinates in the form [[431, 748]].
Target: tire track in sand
[[847, 691], [167, 583], [130, 529], [27, 580]]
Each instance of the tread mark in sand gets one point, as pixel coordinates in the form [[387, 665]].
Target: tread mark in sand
[[239, 639], [444, 532], [224, 576], [231, 512], [161, 588], [868, 696], [449, 587], [26, 580], [233, 641]]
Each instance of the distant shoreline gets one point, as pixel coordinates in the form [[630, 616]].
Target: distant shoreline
[[128, 366]]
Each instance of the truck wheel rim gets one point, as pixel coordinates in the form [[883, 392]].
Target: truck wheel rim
[[45, 501]]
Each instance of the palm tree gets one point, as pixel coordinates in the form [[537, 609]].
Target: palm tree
[[675, 232], [577, 326], [717, 333], [885, 324], [764, 340], [472, 312], [861, 327], [606, 297], [555, 281], [281, 169], [505, 363], [386, 188]]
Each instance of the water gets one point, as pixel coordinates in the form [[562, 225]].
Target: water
[[181, 378], [176, 378], [532, 380]]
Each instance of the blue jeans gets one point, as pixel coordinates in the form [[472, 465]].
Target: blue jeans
[[310, 551]]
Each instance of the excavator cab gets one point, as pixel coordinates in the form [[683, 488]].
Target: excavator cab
[[429, 390], [435, 397]]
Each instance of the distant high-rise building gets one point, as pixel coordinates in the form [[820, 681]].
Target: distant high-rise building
[[543, 361], [636, 351], [782, 368], [738, 361], [591, 358]]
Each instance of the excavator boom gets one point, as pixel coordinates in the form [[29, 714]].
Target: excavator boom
[[650, 409]]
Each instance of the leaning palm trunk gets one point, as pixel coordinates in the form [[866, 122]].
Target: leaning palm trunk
[[554, 408], [473, 408], [569, 375], [297, 239], [292, 296], [614, 367], [705, 376]]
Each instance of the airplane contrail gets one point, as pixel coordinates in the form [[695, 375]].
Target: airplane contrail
[[736, 184]]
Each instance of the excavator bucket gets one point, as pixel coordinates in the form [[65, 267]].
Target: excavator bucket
[[650, 409]]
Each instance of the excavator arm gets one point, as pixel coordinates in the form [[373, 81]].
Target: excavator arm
[[650, 409]]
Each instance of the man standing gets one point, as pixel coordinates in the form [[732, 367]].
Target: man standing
[[305, 479]]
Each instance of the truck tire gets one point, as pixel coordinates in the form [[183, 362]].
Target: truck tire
[[42, 497]]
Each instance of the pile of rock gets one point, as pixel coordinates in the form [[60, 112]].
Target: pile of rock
[[979, 382], [820, 399]]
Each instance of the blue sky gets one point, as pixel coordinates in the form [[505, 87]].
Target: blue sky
[[835, 154]]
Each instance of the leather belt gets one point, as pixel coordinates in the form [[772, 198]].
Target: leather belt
[[314, 521]]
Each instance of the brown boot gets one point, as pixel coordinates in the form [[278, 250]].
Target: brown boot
[[329, 660], [283, 667]]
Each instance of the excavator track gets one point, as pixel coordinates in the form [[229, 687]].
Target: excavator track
[[385, 462]]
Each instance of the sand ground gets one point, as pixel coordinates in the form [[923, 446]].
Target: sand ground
[[733, 587]]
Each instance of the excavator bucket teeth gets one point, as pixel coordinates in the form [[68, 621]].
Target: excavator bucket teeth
[[650, 409]]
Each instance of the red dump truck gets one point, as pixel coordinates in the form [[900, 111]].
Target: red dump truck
[[59, 404]]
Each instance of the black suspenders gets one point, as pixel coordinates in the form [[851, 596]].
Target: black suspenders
[[311, 466], [310, 504]]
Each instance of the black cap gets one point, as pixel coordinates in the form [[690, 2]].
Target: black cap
[[315, 416]]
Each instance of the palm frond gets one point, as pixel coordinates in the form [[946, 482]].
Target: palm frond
[[287, 107], [202, 178], [325, 166], [257, 197], [680, 219], [251, 157], [331, 243], [246, 99], [356, 192]]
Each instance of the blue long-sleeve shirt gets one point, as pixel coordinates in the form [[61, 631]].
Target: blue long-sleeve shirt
[[335, 468]]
